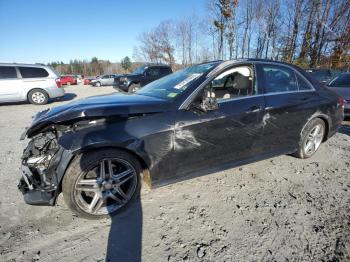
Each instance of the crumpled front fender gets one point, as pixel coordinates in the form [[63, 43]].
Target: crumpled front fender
[[102, 137]]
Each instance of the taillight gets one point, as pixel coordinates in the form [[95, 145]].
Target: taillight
[[58, 82], [341, 101]]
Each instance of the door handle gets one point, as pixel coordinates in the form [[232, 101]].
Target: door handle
[[254, 109]]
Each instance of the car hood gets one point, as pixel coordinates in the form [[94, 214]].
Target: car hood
[[118, 104]]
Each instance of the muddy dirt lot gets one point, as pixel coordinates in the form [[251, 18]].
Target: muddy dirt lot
[[279, 209]]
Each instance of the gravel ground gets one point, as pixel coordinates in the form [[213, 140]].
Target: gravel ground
[[279, 209]]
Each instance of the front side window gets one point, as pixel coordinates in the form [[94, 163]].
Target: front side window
[[278, 79], [232, 83], [33, 72], [342, 80], [7, 72]]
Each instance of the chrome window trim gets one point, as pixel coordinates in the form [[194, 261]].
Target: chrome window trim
[[226, 64], [294, 70], [264, 95]]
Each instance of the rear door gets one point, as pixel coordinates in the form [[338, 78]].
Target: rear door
[[289, 101], [33, 77], [9, 84]]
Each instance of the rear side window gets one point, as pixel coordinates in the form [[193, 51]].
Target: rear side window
[[342, 80], [33, 72], [165, 70], [153, 72], [7, 72], [302, 84], [278, 79]]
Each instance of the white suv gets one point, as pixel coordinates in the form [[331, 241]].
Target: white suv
[[35, 83]]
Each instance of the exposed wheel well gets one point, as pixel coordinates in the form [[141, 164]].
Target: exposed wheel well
[[141, 160], [325, 120]]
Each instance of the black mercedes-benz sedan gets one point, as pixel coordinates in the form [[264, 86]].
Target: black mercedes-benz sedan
[[206, 117]]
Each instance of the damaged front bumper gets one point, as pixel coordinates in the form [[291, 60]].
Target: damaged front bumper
[[41, 172]]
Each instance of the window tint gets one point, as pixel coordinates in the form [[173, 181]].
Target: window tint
[[164, 70], [278, 79], [7, 72], [234, 82], [302, 84], [342, 80], [32, 72], [153, 72]]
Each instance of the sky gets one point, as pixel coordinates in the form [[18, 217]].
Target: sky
[[42, 31]]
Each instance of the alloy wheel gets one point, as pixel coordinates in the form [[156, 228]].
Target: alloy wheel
[[38, 97], [314, 139], [106, 187]]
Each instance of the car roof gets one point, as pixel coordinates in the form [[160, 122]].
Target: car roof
[[23, 64]]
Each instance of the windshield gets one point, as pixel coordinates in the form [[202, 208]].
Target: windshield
[[138, 71], [174, 84]]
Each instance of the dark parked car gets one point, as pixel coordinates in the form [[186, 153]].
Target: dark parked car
[[322, 75], [341, 85], [141, 77], [205, 117]]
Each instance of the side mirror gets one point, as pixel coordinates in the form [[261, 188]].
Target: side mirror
[[206, 104], [210, 103]]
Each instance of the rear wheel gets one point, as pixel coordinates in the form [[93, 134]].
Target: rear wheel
[[311, 138], [101, 183], [38, 97], [133, 88]]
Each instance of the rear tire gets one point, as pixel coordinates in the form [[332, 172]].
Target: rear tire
[[38, 97], [133, 88], [311, 138], [85, 165]]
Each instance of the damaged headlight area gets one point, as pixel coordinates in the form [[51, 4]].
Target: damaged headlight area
[[39, 182]]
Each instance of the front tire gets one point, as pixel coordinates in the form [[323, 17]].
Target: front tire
[[311, 138], [98, 84], [101, 183], [133, 88], [38, 97]]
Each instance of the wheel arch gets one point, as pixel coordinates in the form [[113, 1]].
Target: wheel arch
[[70, 156], [37, 88], [325, 118], [133, 82]]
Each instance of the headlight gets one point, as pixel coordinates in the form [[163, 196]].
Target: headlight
[[123, 79]]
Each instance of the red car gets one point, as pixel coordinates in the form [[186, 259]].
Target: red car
[[68, 80]]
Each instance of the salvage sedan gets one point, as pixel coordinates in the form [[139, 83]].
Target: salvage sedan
[[213, 115]]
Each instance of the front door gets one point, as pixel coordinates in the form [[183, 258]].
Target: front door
[[227, 134], [9, 84]]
